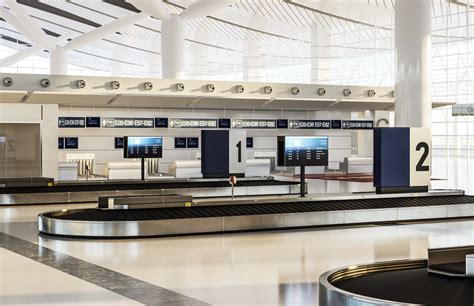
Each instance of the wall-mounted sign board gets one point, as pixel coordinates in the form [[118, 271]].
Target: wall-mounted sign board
[[193, 142], [111, 122], [177, 123], [71, 122], [310, 124], [93, 122], [357, 124], [71, 143], [118, 143], [253, 124], [161, 123], [224, 123]]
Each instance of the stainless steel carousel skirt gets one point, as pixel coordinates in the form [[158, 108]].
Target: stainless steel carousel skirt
[[405, 282], [258, 215], [83, 192]]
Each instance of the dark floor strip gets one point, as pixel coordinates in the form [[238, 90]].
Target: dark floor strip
[[119, 283]]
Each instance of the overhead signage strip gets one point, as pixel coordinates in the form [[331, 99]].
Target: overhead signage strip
[[177, 123]]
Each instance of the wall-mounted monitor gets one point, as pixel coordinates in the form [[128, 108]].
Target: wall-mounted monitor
[[224, 123], [142, 147], [118, 143], [180, 142], [249, 142], [336, 124], [282, 123], [294, 151], [193, 143], [60, 143], [161, 123], [93, 122], [71, 143]]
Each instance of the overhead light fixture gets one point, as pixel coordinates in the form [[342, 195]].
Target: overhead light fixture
[[115, 85], [346, 92], [7, 82], [179, 86], [210, 87], [321, 91], [267, 90], [81, 84], [148, 85], [371, 93], [45, 83], [295, 90], [240, 88]]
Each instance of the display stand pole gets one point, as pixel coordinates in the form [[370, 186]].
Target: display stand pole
[[143, 169], [302, 182]]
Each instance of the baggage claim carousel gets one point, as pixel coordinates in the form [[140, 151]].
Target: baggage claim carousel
[[444, 279], [117, 218]]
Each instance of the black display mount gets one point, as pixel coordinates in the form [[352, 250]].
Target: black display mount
[[143, 168]]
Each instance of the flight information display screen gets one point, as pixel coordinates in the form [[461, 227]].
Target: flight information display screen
[[143, 147], [296, 151], [193, 142], [180, 142], [118, 143]]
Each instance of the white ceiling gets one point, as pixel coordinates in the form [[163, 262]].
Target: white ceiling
[[282, 27]]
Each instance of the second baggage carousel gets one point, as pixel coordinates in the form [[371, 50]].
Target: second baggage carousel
[[90, 191], [277, 213]]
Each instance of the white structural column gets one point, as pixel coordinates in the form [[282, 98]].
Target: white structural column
[[320, 56], [58, 61], [413, 45], [172, 48], [252, 61]]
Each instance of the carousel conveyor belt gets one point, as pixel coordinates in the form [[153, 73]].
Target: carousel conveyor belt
[[90, 191], [225, 218]]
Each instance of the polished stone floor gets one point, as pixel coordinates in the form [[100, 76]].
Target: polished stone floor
[[262, 268]]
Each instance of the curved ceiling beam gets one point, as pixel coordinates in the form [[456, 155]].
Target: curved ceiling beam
[[30, 28]]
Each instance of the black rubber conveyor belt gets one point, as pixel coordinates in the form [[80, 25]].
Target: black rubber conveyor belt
[[89, 187], [415, 286], [254, 209]]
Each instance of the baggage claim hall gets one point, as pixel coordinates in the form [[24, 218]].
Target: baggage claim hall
[[237, 152]]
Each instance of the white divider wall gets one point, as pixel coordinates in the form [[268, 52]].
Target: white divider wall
[[101, 140], [47, 117]]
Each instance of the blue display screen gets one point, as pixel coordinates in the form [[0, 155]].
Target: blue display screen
[[71, 143], [161, 122], [303, 150], [93, 122], [180, 142], [224, 123], [193, 142], [143, 147]]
